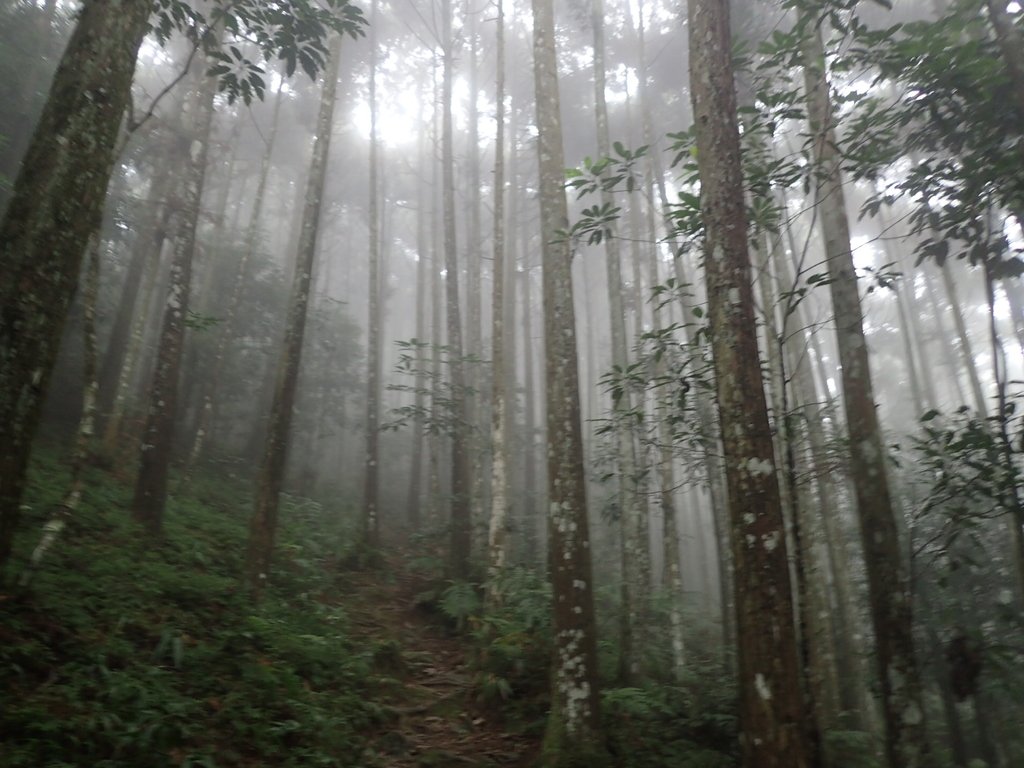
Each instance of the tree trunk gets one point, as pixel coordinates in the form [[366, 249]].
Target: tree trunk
[[771, 703], [371, 457], [967, 357], [853, 694], [496, 543], [145, 250], [573, 734], [263, 524], [150, 496], [634, 549], [906, 737], [531, 518], [461, 524], [55, 206], [414, 499], [227, 331]]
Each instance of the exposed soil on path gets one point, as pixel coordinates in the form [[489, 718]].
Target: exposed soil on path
[[424, 683]]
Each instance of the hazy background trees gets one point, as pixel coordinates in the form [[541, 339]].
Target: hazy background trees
[[882, 320]]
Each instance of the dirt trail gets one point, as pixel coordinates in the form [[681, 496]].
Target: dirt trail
[[425, 683]]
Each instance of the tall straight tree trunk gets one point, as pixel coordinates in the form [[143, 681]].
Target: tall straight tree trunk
[[496, 540], [771, 703], [889, 592], [635, 567], [673, 568], [939, 329], [145, 250], [414, 500], [531, 521], [474, 309], [967, 358], [55, 206], [150, 496], [461, 525], [371, 457], [817, 653], [852, 690], [227, 332], [573, 735], [263, 524], [112, 428], [715, 471]]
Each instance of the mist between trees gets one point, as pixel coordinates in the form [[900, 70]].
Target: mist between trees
[[666, 355]]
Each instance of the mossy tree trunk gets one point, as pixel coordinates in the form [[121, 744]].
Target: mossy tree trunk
[[771, 702], [573, 735], [55, 206]]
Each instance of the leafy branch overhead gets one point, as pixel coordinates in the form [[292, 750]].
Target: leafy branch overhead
[[295, 32]]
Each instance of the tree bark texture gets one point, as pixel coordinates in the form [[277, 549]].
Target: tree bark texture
[[771, 703], [56, 204], [573, 735]]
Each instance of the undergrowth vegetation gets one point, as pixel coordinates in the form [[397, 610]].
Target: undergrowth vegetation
[[129, 653], [134, 654], [656, 724]]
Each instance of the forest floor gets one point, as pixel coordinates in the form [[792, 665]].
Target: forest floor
[[425, 681]]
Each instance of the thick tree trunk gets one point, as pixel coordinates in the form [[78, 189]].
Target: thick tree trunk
[[771, 703], [150, 496], [55, 206], [573, 735], [263, 524], [906, 736]]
